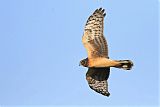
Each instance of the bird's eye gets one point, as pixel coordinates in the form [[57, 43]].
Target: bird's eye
[[83, 62]]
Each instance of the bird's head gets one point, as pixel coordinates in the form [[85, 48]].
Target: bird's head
[[84, 62]]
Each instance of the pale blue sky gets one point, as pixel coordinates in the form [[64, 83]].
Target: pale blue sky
[[40, 49]]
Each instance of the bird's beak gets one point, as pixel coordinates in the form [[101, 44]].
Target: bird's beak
[[79, 64]]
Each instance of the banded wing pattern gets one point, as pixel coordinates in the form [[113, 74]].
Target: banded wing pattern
[[97, 80], [93, 35]]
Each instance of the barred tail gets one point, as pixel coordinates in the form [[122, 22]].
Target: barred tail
[[125, 64]]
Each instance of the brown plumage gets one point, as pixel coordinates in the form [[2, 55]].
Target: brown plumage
[[98, 60]]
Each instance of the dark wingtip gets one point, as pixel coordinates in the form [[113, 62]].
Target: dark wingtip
[[104, 14], [103, 10], [107, 94], [96, 11], [100, 9]]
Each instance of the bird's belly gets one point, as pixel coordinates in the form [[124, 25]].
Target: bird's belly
[[100, 62]]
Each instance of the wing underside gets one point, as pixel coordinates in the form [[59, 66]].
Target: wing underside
[[97, 80], [93, 38]]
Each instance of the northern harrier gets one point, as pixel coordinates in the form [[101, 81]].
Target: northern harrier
[[98, 61]]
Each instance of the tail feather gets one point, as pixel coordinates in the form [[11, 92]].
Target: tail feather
[[125, 64]]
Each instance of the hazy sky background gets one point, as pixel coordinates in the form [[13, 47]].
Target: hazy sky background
[[40, 50]]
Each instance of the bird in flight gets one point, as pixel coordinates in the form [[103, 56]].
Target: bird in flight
[[98, 61]]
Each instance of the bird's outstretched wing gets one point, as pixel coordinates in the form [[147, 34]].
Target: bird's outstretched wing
[[97, 80], [93, 38]]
